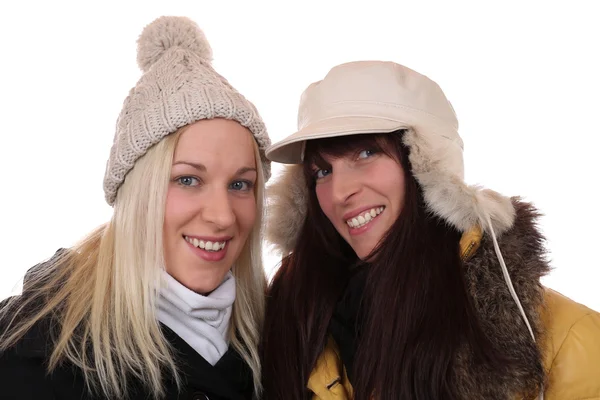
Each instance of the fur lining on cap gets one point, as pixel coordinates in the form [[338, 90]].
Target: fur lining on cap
[[287, 199], [446, 195]]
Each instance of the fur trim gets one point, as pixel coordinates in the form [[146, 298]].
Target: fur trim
[[287, 200], [437, 166], [524, 254]]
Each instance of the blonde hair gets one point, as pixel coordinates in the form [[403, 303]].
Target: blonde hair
[[102, 293]]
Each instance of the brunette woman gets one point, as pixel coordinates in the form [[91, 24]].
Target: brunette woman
[[400, 281]]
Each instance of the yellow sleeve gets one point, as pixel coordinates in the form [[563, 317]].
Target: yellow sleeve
[[575, 370]]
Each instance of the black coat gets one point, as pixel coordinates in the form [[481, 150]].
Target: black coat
[[23, 375]]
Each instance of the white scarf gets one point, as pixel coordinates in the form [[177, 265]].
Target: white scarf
[[201, 321]]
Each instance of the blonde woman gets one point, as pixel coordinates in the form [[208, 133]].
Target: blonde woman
[[166, 299]]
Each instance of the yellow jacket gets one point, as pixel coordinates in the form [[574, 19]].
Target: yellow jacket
[[571, 356], [568, 332]]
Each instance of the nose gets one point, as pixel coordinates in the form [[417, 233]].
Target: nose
[[217, 209], [345, 183]]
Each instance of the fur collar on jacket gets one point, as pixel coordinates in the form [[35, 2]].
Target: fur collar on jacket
[[523, 251]]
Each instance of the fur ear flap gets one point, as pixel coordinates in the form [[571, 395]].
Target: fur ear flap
[[500, 209], [287, 199], [465, 206], [437, 166]]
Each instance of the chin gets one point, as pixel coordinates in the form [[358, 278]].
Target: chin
[[361, 254], [364, 253], [205, 287]]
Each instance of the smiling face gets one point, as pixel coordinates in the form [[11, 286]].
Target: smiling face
[[361, 191], [211, 202]]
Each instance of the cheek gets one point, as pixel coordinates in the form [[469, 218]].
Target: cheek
[[400, 187], [170, 210], [394, 187], [323, 192], [177, 210], [245, 210]]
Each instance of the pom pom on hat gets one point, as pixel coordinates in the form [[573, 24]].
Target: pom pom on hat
[[168, 32]]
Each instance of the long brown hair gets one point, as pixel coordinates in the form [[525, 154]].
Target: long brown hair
[[417, 311]]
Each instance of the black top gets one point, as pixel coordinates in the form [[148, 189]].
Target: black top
[[345, 324], [23, 375]]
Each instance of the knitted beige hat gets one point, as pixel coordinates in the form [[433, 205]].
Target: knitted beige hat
[[178, 87]]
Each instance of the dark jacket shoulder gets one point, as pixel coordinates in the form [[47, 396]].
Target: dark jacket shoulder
[[23, 369], [23, 373]]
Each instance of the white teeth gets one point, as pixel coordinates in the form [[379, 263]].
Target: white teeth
[[364, 218], [208, 245]]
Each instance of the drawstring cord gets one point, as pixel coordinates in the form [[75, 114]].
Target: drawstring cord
[[511, 288]]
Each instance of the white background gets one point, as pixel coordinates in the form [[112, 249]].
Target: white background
[[524, 78]]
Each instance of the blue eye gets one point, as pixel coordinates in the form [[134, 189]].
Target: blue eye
[[241, 186], [188, 181], [365, 154], [322, 173]]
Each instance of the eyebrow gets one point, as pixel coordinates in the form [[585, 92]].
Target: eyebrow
[[201, 167], [243, 170]]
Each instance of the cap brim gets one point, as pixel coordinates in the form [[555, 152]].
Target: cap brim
[[291, 149]]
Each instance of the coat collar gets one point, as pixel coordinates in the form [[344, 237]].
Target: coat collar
[[522, 248]]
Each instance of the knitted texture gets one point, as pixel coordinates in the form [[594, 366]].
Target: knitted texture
[[178, 87]]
